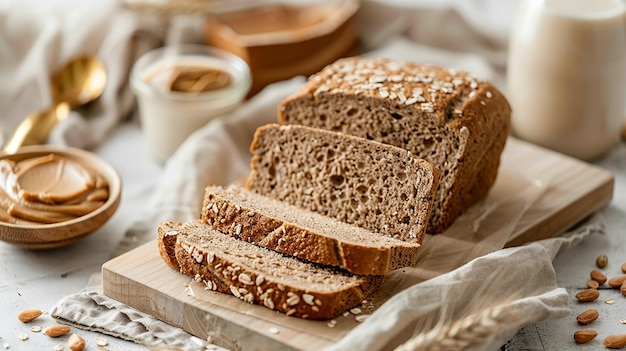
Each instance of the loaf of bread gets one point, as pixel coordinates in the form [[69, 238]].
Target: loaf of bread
[[265, 277], [455, 121], [376, 186], [297, 232]]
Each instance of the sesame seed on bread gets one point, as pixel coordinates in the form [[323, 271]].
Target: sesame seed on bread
[[261, 276]]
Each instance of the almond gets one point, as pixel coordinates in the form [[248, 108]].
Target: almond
[[588, 295], [585, 335], [592, 284], [624, 267], [622, 288], [28, 315], [588, 316], [616, 282], [56, 330], [615, 341], [76, 342], [598, 276]]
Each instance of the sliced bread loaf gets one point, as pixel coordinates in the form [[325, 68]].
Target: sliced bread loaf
[[265, 277], [376, 186], [304, 234], [455, 121]]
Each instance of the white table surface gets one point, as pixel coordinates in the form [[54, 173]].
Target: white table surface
[[38, 279]]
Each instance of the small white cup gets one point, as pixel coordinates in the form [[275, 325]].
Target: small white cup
[[169, 117]]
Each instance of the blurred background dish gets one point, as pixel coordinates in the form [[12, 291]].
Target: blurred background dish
[[38, 178], [283, 40]]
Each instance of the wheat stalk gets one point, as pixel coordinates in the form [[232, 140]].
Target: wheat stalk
[[467, 332]]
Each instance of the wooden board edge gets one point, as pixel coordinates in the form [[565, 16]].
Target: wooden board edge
[[195, 314], [569, 216]]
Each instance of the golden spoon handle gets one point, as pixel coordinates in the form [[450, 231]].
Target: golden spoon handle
[[35, 128]]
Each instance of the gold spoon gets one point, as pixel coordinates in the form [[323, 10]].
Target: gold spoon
[[81, 81]]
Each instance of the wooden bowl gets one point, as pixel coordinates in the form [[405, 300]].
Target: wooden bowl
[[46, 236], [280, 41]]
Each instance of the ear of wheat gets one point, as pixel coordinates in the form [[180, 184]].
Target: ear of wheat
[[467, 332]]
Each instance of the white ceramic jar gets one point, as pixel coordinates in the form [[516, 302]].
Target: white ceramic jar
[[168, 116], [567, 74]]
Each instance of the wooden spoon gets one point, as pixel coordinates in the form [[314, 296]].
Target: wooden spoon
[[81, 81]]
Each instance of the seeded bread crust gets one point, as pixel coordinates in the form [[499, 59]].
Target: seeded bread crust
[[449, 118], [304, 234], [369, 184], [265, 277], [166, 242]]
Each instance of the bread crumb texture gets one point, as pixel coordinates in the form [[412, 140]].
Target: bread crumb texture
[[369, 184]]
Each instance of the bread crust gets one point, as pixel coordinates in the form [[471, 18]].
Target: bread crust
[[226, 211], [219, 272], [166, 242], [405, 104]]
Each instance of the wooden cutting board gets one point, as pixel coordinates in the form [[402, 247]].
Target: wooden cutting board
[[571, 191]]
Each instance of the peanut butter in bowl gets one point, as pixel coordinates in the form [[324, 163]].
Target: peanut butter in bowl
[[48, 189], [51, 197]]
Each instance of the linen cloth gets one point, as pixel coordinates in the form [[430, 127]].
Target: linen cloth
[[469, 35]]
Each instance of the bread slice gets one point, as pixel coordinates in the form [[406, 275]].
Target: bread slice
[[304, 234], [265, 277], [369, 184], [452, 119]]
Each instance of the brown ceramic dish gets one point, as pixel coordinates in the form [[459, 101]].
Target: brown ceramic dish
[[46, 236]]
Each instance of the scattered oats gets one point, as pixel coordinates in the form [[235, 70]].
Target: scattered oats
[[235, 291], [215, 209], [23, 336], [315, 309], [250, 214], [411, 101], [472, 94], [483, 103], [356, 310], [290, 312], [361, 318], [260, 279], [35, 329], [100, 341], [489, 94], [458, 111], [268, 303], [59, 347], [210, 257], [6, 346], [245, 279], [427, 107], [293, 300], [346, 313], [383, 93], [609, 301], [308, 299], [473, 84], [332, 323], [623, 321], [274, 330], [197, 255]]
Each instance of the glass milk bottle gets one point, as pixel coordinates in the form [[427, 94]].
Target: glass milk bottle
[[567, 74]]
